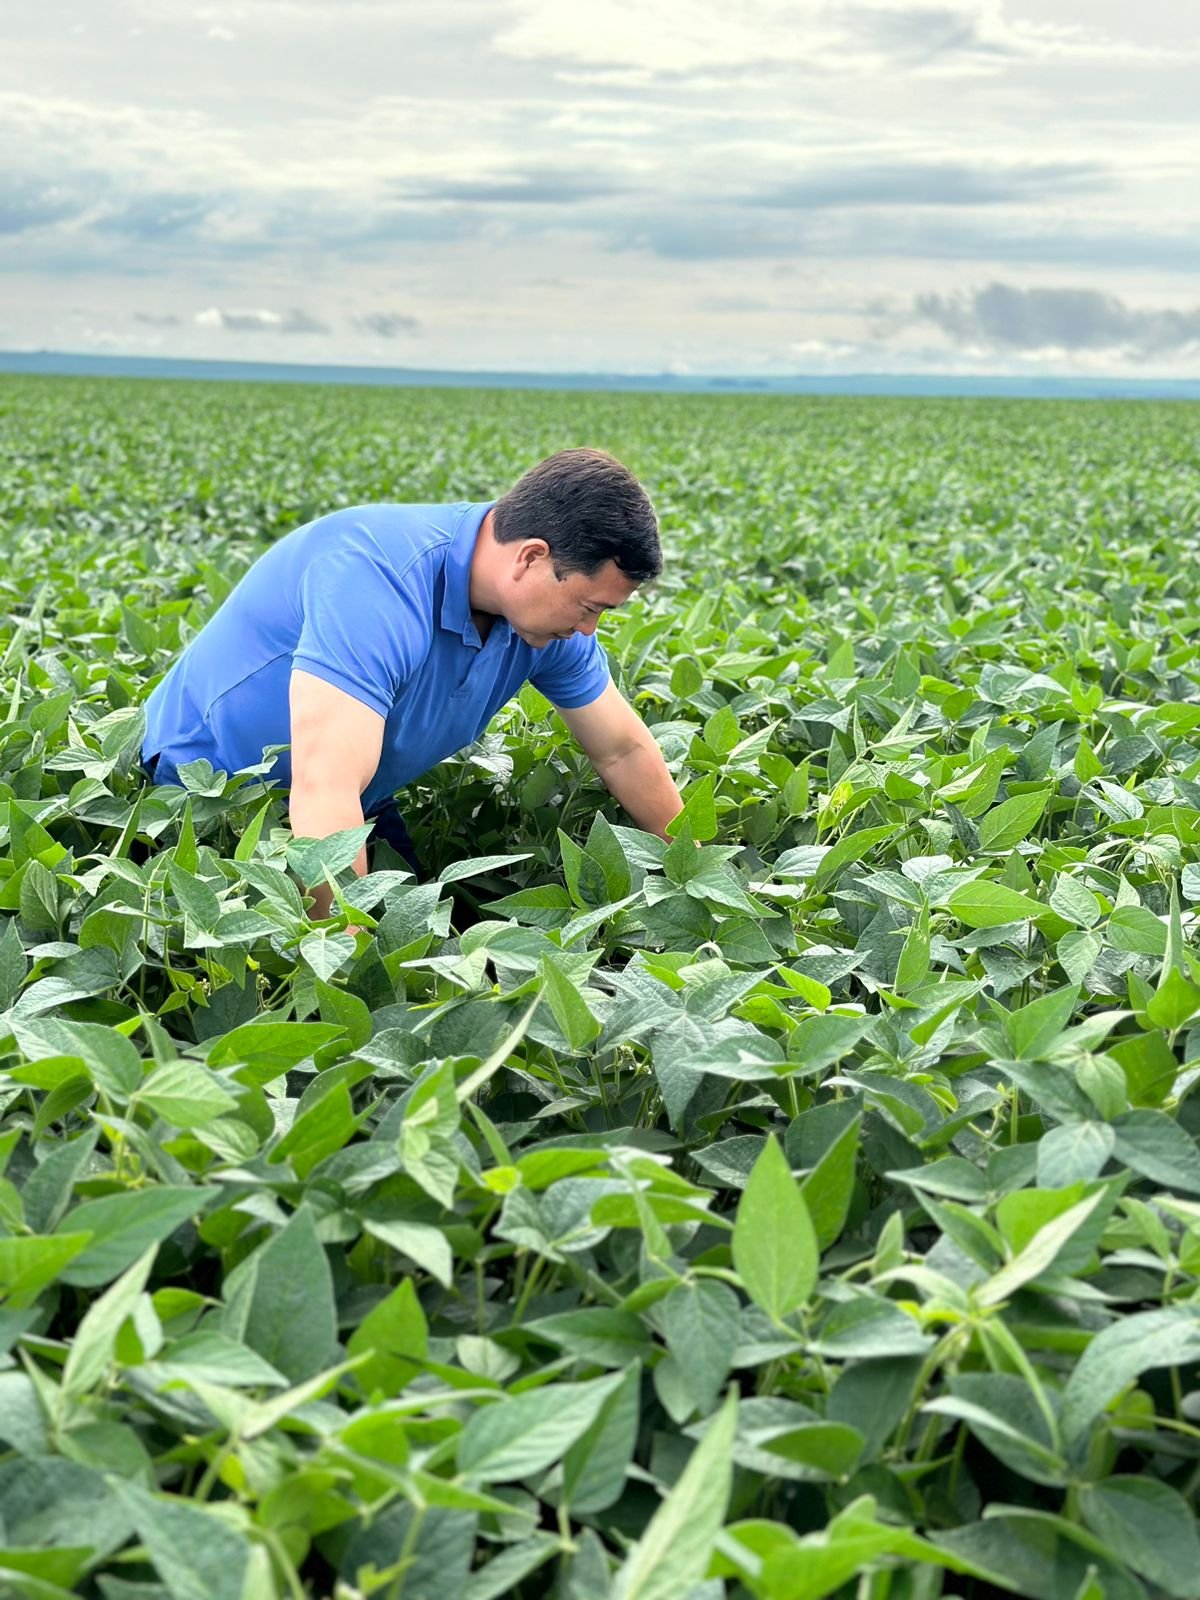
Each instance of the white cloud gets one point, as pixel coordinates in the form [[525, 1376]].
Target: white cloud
[[627, 41]]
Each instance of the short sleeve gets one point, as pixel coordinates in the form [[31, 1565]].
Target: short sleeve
[[365, 628], [575, 674]]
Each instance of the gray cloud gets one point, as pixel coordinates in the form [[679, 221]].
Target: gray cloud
[[302, 322], [114, 231], [261, 321], [152, 217], [154, 319], [27, 203], [941, 184], [908, 211], [363, 231], [386, 324], [918, 35], [1003, 317], [741, 233], [536, 187]]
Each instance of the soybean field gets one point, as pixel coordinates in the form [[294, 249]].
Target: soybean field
[[808, 1206]]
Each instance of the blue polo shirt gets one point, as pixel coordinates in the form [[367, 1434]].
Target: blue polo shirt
[[374, 600]]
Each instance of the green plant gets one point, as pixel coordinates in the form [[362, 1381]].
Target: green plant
[[813, 1212]]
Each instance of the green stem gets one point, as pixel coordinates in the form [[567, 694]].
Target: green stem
[[564, 1529], [290, 1576], [956, 1462], [527, 1292], [406, 1551], [1169, 1423], [933, 1361], [213, 1470]]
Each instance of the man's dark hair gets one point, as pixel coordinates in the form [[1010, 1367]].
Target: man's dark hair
[[589, 509]]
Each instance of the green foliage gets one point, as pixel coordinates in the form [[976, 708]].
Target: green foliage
[[804, 1205]]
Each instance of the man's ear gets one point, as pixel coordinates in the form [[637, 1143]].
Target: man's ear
[[529, 553]]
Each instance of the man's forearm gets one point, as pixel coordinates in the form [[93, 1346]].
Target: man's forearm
[[316, 813], [639, 780]]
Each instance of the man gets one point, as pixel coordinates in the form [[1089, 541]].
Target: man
[[380, 639]]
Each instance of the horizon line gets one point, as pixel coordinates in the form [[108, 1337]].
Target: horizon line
[[46, 362]]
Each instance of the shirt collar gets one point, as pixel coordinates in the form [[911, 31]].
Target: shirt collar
[[456, 598]]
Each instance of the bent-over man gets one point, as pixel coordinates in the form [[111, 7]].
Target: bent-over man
[[380, 639]]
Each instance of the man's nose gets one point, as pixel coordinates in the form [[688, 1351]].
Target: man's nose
[[588, 626]]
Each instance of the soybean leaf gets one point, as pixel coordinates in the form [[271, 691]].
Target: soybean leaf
[[698, 817], [198, 1554], [1120, 1353], [774, 1247], [46, 1193], [509, 1566], [280, 1301], [123, 1225], [397, 1334], [1007, 824], [568, 1005], [828, 1188], [184, 1093], [428, 1246], [700, 1320], [310, 859], [1150, 1527], [524, 1434], [96, 1336], [1074, 901], [30, 1261], [674, 1551], [982, 904], [1153, 1144], [1039, 1253], [1035, 1028], [595, 1466]]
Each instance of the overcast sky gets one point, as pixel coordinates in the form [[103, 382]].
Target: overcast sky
[[606, 185]]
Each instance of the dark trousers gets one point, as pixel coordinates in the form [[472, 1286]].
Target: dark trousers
[[388, 827]]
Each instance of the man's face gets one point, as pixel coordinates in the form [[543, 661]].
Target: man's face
[[543, 607]]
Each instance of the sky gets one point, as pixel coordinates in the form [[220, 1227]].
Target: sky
[[640, 186]]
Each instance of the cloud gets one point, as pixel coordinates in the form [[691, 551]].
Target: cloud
[[515, 188], [678, 167], [302, 322], [819, 38], [294, 321], [1002, 317], [153, 217], [741, 232], [27, 203], [932, 184], [386, 324], [723, 304]]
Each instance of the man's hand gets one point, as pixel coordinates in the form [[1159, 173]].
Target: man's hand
[[336, 745], [622, 749]]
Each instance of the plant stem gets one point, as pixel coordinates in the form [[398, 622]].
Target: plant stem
[[527, 1292]]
